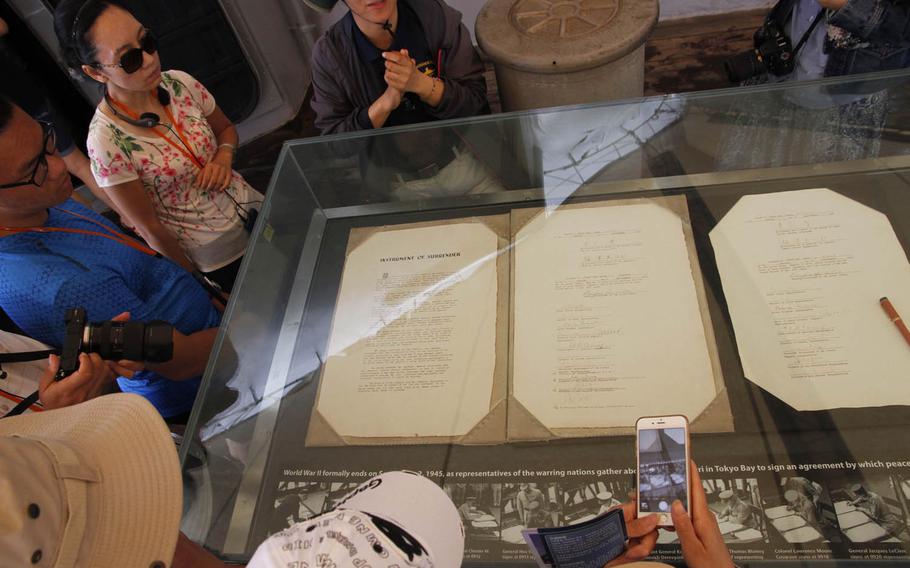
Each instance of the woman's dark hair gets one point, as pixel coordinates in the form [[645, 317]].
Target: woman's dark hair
[[72, 21]]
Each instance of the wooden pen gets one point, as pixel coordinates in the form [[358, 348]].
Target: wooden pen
[[896, 318]]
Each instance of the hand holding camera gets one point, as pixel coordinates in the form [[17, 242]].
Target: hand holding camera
[[117, 340], [93, 378]]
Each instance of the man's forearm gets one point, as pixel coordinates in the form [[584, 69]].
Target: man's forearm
[[431, 90], [191, 355], [164, 241], [379, 112]]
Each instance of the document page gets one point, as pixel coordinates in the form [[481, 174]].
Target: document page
[[803, 272], [412, 349], [607, 323]]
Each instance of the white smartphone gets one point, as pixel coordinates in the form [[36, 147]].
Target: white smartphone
[[662, 448]]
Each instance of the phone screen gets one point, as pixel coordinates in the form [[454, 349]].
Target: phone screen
[[662, 474]]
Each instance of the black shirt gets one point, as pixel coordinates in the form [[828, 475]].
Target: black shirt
[[409, 35]]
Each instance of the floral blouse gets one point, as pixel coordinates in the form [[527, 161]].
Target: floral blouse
[[207, 224]]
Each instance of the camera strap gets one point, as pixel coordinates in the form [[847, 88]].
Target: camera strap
[[177, 131], [26, 356], [782, 13], [106, 232], [23, 406], [808, 34], [23, 357], [213, 290]]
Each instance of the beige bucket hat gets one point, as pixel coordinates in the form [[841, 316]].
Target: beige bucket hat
[[97, 485]]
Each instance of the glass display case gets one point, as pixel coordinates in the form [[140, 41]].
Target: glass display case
[[492, 302]]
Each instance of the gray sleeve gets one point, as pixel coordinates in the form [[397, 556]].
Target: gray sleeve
[[462, 72], [334, 112]]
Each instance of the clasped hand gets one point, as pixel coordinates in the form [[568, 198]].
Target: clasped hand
[[401, 73]]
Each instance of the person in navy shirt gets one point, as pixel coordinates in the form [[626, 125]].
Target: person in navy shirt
[[57, 254]]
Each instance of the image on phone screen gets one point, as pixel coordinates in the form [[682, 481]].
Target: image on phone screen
[[662, 469]]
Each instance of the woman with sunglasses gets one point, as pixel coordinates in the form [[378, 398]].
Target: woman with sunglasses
[[159, 145]]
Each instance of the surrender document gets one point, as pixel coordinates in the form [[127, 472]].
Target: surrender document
[[607, 324], [803, 272], [412, 349]]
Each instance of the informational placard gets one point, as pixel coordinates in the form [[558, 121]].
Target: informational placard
[[766, 511]]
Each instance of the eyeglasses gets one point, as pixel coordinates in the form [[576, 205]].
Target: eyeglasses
[[39, 174], [131, 61]]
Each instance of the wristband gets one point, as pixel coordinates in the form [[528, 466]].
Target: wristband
[[232, 148]]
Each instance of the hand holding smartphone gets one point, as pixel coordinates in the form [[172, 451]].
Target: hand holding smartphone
[[662, 449]]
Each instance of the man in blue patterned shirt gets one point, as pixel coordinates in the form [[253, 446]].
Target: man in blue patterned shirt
[[56, 254]]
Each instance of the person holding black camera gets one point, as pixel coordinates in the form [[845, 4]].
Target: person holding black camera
[[29, 373], [57, 255], [803, 40], [810, 39], [27, 377]]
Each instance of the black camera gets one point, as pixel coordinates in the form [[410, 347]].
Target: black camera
[[152, 342], [773, 54]]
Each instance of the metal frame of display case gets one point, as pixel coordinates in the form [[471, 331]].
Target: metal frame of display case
[[293, 211]]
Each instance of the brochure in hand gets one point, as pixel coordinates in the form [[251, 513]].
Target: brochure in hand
[[592, 543]]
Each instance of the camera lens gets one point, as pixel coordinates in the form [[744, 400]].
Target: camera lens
[[115, 340], [158, 342], [744, 66], [134, 341]]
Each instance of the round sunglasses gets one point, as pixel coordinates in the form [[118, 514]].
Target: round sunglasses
[[131, 60]]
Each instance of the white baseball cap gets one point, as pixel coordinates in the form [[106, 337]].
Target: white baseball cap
[[96, 484], [397, 518]]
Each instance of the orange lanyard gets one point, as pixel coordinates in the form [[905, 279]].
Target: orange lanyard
[[185, 149], [107, 234]]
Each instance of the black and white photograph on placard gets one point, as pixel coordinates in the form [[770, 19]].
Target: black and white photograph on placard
[[528, 505], [297, 501], [869, 508], [337, 492], [736, 502], [800, 511], [584, 500], [901, 484], [480, 508]]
